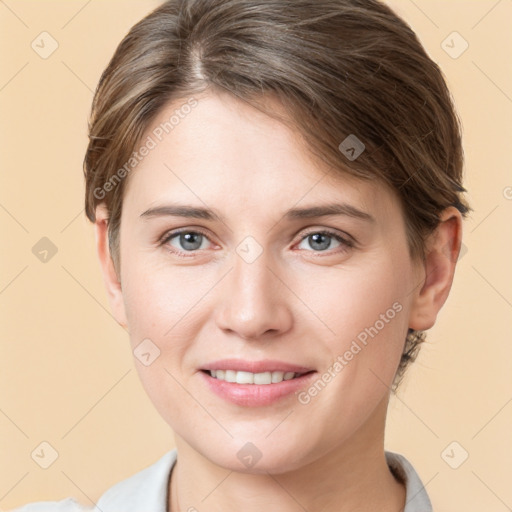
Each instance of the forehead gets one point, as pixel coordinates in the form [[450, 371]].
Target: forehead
[[222, 149]]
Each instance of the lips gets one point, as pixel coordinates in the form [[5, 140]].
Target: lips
[[246, 383]]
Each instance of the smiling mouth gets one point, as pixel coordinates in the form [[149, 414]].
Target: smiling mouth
[[263, 378]]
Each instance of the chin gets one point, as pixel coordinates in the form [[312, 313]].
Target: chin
[[268, 463], [260, 456]]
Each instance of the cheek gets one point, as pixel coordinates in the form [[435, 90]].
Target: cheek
[[366, 311], [161, 306], [156, 296], [353, 299], [167, 305]]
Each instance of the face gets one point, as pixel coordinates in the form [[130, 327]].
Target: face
[[239, 251]]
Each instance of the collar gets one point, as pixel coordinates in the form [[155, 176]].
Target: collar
[[147, 489], [416, 497]]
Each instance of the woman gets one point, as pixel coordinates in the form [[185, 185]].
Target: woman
[[276, 190]]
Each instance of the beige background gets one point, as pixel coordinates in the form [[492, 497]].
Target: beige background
[[66, 373]]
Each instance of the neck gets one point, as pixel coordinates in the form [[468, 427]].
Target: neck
[[351, 476]]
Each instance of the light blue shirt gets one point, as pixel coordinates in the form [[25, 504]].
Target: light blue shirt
[[146, 491]]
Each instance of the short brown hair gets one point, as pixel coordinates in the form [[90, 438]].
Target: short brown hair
[[340, 68]]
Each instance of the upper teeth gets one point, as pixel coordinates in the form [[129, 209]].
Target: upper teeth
[[252, 378]]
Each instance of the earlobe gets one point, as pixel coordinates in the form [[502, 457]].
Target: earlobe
[[442, 251], [110, 277]]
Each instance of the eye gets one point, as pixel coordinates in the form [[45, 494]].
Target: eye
[[185, 241], [190, 241], [321, 241]]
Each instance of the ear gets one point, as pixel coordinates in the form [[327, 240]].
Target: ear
[[438, 268], [110, 277]]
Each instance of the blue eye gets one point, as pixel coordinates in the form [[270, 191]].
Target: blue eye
[[321, 241], [188, 241]]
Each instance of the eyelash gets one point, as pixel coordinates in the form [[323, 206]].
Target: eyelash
[[346, 242]]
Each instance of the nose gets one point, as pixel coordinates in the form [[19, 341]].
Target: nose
[[254, 303]]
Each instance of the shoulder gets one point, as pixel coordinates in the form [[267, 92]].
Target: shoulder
[[145, 490], [416, 499]]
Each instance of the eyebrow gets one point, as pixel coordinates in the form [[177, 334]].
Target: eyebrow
[[292, 214]]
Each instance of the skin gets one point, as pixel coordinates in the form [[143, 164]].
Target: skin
[[294, 303]]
